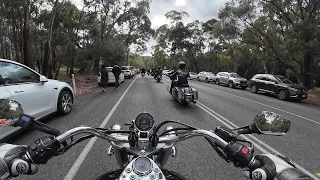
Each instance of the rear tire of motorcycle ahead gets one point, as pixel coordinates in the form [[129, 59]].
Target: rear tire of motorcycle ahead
[[184, 103]]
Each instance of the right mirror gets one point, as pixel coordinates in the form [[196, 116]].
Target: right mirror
[[271, 123]]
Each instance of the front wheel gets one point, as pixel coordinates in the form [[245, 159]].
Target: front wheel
[[253, 89], [282, 95], [243, 88], [231, 85], [65, 103]]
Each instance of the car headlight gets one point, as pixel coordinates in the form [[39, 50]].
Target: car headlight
[[293, 89]]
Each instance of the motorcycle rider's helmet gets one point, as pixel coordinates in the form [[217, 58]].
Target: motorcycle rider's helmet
[[182, 65]]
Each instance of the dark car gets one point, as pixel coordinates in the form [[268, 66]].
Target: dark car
[[277, 85]]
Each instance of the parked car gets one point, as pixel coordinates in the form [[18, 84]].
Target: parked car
[[38, 95], [193, 75], [277, 85], [166, 72], [233, 80], [128, 71], [111, 79], [206, 77]]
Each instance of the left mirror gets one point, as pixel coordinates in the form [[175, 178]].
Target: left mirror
[[10, 111]]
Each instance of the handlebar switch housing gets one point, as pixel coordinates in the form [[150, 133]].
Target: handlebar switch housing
[[238, 153], [43, 149], [225, 133]]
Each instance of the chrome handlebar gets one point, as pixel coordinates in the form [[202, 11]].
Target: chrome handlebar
[[123, 138]]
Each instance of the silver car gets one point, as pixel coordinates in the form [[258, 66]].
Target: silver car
[[193, 76], [233, 80], [206, 77]]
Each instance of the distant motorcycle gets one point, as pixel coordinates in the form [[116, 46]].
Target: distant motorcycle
[[158, 78], [184, 94]]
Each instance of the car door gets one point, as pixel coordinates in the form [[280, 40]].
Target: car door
[[37, 98], [224, 77], [271, 84], [264, 82]]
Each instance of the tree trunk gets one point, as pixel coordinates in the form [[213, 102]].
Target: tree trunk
[[307, 70], [26, 43], [72, 62], [57, 71], [47, 51], [96, 66], [46, 61], [54, 60], [16, 42]]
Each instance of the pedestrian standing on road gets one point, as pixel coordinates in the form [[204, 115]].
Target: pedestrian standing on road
[[116, 72], [104, 77]]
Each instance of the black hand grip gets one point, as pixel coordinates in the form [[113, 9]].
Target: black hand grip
[[43, 149]]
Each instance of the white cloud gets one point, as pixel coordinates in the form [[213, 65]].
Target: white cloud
[[181, 2]]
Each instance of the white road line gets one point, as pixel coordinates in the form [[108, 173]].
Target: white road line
[[262, 104], [224, 121], [76, 166]]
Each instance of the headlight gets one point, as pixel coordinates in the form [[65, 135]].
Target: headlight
[[293, 89]]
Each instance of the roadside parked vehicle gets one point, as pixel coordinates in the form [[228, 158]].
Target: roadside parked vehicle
[[111, 79], [193, 75], [277, 85], [233, 80], [38, 95], [206, 77], [128, 71]]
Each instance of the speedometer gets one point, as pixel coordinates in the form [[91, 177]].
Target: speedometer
[[144, 121]]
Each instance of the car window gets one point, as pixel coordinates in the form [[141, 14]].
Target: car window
[[124, 68], [282, 79], [12, 73], [234, 75]]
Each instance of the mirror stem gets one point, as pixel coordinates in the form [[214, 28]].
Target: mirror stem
[[243, 130]]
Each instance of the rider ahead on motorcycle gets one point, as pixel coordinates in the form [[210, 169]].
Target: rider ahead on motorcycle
[[182, 74], [143, 70], [158, 72]]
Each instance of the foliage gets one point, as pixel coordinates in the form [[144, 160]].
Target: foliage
[[48, 34]]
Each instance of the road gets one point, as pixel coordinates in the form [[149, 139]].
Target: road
[[195, 159]]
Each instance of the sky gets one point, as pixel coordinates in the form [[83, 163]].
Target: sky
[[201, 10]]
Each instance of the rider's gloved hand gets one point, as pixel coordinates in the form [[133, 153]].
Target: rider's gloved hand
[[277, 167], [13, 161]]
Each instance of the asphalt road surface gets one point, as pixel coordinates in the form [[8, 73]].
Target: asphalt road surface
[[195, 158]]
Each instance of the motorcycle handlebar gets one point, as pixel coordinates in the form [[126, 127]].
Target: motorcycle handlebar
[[123, 138]]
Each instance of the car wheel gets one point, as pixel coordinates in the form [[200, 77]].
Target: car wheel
[[206, 80], [65, 103], [253, 89], [217, 81], [230, 84], [243, 88], [198, 79], [282, 94]]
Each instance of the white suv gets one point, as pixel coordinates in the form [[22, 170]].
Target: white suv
[[38, 95], [128, 71]]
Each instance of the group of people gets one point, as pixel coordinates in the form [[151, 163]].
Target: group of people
[[116, 70]]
